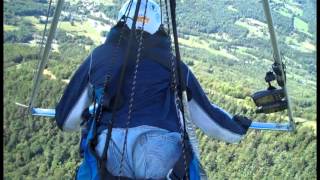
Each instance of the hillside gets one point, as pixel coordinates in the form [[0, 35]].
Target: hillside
[[226, 44]]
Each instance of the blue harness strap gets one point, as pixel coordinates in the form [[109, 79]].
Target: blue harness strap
[[88, 168], [194, 169]]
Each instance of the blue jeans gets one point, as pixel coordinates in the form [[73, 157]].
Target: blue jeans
[[150, 153]]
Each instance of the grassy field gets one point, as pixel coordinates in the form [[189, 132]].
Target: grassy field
[[294, 9], [36, 23], [242, 50], [288, 8], [301, 25], [304, 46], [195, 42], [231, 8], [284, 12], [255, 27], [87, 28], [9, 28], [90, 28]]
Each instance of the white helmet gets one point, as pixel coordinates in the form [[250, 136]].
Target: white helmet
[[152, 20]]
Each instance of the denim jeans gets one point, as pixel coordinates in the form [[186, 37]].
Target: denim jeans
[[150, 153]]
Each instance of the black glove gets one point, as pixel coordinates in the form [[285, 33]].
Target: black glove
[[243, 121]]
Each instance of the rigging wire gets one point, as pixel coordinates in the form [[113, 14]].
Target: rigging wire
[[131, 101], [122, 74], [25, 111], [104, 157], [167, 19], [42, 40], [50, 50], [45, 29], [181, 88], [45, 55], [161, 11]]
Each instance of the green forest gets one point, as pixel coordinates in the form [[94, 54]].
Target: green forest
[[225, 43]]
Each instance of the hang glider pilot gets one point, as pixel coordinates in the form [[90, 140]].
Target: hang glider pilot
[[154, 139]]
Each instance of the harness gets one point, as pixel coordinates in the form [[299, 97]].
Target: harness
[[93, 166], [89, 139]]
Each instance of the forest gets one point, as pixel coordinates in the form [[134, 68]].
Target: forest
[[225, 43]]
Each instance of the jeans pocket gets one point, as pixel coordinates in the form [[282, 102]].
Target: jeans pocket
[[156, 154]]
